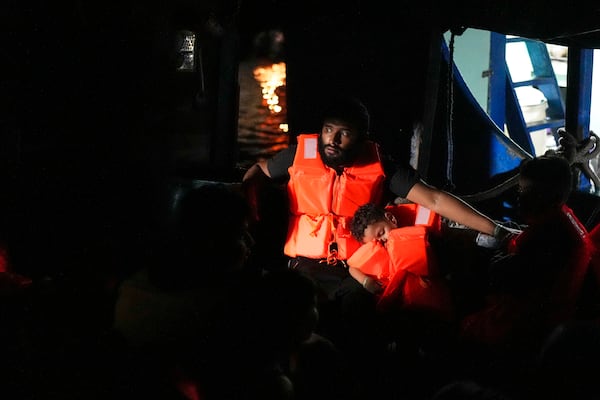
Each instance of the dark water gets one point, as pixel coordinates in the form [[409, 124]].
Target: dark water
[[259, 134]]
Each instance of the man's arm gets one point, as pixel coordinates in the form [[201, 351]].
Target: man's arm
[[451, 207], [260, 174], [256, 170], [252, 183]]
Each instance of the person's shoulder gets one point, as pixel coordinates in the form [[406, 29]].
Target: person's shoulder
[[393, 165], [290, 150], [384, 154], [402, 177], [278, 164]]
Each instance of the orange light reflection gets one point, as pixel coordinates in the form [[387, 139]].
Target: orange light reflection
[[270, 78]]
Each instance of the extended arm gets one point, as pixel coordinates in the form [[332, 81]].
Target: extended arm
[[451, 207], [255, 171], [252, 183]]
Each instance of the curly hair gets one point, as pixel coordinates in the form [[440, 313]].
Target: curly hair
[[366, 215]]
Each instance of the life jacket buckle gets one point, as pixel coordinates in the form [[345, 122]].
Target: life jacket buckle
[[333, 253]]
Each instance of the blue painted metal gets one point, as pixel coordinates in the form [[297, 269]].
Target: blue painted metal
[[580, 71], [504, 108], [517, 127], [586, 67], [501, 153], [497, 79], [544, 80]]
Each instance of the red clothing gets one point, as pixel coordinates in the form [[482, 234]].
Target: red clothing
[[594, 270], [4, 267], [538, 284], [10, 282]]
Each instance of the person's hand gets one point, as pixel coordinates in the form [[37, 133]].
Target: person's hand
[[372, 285], [487, 241], [504, 234]]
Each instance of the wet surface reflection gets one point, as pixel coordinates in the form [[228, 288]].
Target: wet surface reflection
[[259, 131]]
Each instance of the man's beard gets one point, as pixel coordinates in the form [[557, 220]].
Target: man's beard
[[344, 158]]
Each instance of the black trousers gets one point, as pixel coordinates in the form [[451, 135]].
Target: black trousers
[[346, 310], [332, 281]]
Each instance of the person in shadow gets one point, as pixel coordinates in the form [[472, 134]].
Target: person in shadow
[[271, 350], [165, 310], [535, 285], [563, 366]]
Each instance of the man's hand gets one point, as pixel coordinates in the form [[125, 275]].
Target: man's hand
[[372, 285], [504, 234]]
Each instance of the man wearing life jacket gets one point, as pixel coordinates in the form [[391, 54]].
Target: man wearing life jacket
[[537, 284], [329, 175]]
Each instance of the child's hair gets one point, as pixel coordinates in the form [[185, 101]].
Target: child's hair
[[366, 215]]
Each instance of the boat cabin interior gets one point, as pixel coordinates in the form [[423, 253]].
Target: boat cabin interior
[[110, 109]]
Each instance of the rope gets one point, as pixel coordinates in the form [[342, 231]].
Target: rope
[[493, 192], [449, 114], [578, 154]]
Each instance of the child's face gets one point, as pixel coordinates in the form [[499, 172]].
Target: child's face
[[378, 231]]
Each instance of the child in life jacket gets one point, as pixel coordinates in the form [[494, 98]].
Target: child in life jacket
[[396, 262]]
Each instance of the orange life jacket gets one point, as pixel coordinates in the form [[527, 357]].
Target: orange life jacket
[[409, 214], [322, 202], [406, 267]]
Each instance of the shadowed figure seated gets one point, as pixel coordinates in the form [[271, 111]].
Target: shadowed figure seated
[[536, 283], [164, 310], [563, 367], [468, 390], [268, 348]]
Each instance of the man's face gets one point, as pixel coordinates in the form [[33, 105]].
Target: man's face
[[535, 200], [339, 143], [531, 199]]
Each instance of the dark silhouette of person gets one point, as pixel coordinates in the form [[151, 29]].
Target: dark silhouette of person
[[537, 283]]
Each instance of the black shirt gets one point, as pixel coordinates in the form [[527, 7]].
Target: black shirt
[[400, 178]]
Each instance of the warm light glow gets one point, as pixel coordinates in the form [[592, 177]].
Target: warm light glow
[[270, 78], [283, 127]]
